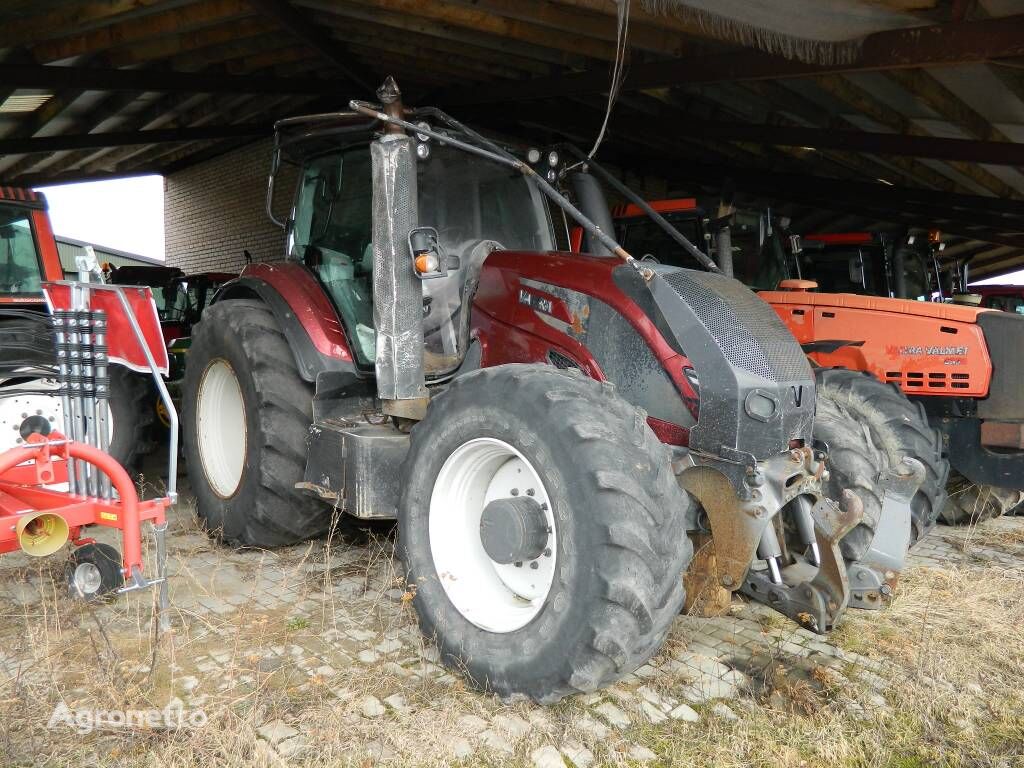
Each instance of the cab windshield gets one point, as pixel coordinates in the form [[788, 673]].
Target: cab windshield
[[467, 200], [20, 271]]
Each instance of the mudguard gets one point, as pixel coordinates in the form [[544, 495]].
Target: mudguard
[[303, 311]]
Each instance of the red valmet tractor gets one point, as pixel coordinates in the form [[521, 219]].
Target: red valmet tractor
[[553, 431]]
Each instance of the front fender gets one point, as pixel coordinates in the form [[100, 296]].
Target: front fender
[[303, 312]]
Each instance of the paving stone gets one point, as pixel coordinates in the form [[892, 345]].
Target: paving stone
[[654, 714], [367, 656], [641, 754], [293, 747], [370, 706], [547, 757], [512, 725], [397, 703], [276, 731], [596, 729], [721, 710], [615, 716], [650, 695], [578, 755], [459, 747], [495, 741], [684, 712], [473, 724]]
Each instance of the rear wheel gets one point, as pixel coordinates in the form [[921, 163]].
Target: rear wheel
[[131, 417], [969, 503], [878, 420], [543, 531], [246, 416]]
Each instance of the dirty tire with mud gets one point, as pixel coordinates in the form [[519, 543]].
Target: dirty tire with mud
[[620, 530]]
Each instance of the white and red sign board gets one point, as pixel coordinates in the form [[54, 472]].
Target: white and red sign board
[[122, 344]]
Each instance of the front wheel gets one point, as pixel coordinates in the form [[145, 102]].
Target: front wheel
[[246, 416], [542, 530]]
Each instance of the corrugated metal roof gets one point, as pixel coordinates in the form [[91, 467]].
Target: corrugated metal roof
[[203, 76], [70, 248]]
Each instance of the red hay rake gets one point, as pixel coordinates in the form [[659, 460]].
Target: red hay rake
[[54, 486]]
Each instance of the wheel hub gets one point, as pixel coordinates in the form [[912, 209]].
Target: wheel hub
[[87, 579], [513, 530], [34, 425]]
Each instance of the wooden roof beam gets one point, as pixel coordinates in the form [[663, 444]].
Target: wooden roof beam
[[860, 100], [106, 79], [299, 25], [487, 23], [124, 138], [937, 44], [340, 14], [139, 30]]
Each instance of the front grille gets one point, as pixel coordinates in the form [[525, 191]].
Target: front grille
[[561, 361], [750, 334], [916, 381]]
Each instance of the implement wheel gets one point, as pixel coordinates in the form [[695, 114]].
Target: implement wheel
[[543, 531]]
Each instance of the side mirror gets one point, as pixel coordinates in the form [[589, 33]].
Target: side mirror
[[856, 271], [428, 258], [796, 246]]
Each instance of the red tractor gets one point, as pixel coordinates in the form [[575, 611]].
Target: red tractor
[[552, 431], [28, 384]]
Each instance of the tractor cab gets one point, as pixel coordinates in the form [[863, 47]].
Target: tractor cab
[[28, 256], [469, 208]]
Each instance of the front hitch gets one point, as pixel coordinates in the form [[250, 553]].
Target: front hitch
[[874, 577], [803, 574], [813, 597]]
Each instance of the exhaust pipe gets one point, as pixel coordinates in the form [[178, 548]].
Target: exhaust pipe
[[398, 302], [42, 533]]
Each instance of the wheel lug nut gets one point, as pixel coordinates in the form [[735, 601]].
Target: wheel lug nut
[[519, 565], [530, 491], [544, 506], [547, 553], [515, 491], [535, 565]]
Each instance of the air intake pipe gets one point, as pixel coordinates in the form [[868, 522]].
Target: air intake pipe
[[592, 202]]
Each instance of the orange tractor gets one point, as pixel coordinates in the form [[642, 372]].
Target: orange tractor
[[944, 381]]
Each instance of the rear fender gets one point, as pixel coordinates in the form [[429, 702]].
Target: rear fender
[[303, 312]]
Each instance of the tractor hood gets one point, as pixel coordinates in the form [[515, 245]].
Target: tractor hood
[[756, 385], [954, 312]]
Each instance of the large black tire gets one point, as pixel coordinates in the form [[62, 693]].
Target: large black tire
[[622, 544], [132, 416], [264, 510], [896, 427], [854, 463], [969, 503]]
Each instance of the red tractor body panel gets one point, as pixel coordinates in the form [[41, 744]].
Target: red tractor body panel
[[309, 301], [524, 312], [896, 340]]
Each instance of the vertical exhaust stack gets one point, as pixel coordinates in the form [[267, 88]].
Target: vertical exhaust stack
[[398, 293]]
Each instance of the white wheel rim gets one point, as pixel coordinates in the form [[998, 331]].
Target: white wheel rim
[[493, 596], [19, 402], [220, 428]]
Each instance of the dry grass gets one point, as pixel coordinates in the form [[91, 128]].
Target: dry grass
[[951, 643]]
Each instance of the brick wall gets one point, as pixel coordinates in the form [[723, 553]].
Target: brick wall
[[215, 210]]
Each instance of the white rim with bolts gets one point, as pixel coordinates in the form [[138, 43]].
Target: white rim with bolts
[[493, 596], [220, 424]]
